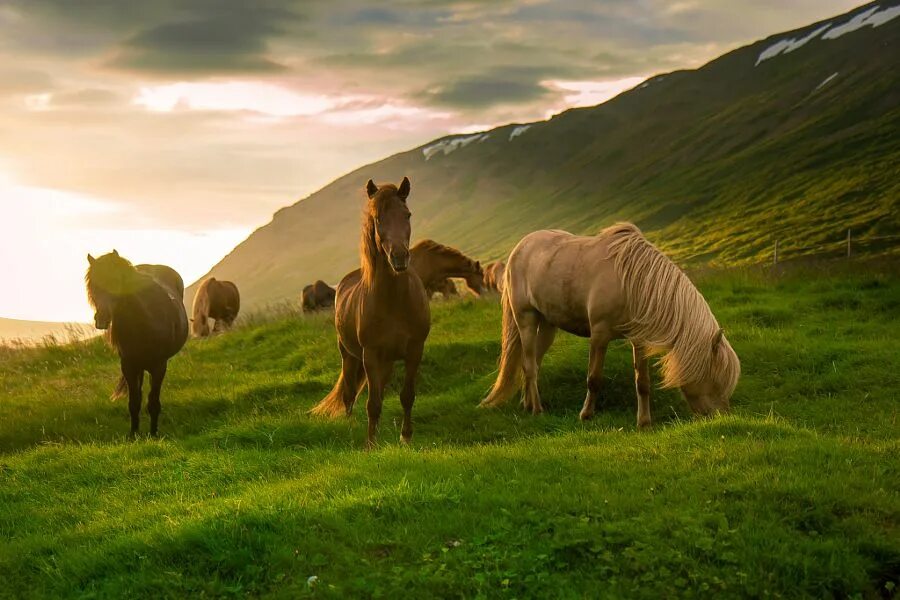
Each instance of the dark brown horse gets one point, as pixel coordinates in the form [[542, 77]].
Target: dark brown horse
[[381, 313], [434, 263], [217, 300], [317, 296], [493, 276], [166, 276], [147, 326]]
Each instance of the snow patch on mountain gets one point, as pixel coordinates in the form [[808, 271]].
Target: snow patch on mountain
[[872, 17], [449, 145], [789, 45], [518, 131], [825, 82]]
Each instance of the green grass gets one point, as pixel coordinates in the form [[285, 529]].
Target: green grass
[[797, 493]]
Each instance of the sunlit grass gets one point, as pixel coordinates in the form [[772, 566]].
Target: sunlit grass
[[795, 494]]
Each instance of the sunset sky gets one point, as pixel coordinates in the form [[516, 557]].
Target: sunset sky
[[170, 129]]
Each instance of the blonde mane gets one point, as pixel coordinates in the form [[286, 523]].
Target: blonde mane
[[668, 314]]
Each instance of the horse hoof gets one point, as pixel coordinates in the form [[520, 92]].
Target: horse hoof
[[643, 424], [586, 415], [405, 439]]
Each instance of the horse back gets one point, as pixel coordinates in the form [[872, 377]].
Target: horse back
[[150, 324]]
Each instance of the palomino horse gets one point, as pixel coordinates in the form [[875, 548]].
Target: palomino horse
[[434, 263], [147, 326], [493, 276], [317, 296], [217, 300], [381, 313], [166, 276], [613, 285]]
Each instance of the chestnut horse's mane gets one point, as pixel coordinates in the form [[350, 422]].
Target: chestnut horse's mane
[[667, 311]]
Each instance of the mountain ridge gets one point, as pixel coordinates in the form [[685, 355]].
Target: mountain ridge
[[712, 163]]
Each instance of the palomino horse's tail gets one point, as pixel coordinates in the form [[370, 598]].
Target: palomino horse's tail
[[121, 389], [333, 404], [509, 376]]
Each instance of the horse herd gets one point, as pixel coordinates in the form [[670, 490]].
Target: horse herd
[[613, 285]]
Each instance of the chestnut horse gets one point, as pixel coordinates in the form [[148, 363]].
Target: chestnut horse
[[381, 313], [493, 276], [217, 300], [434, 263], [147, 326], [317, 296], [613, 285]]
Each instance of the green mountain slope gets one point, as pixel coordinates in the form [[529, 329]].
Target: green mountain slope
[[714, 164]]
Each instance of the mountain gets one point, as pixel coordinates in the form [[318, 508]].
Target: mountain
[[795, 137], [15, 330]]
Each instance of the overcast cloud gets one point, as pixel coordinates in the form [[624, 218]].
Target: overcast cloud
[[209, 113]]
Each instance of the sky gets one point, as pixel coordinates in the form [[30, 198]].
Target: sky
[[170, 129]]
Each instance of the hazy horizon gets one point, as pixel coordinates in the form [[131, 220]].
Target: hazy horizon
[[171, 130]]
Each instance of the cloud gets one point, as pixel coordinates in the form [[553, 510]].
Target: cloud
[[485, 91]]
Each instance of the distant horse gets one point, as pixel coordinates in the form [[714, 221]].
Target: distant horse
[[613, 285], [447, 288], [147, 326], [493, 276], [381, 313], [434, 263], [317, 296], [217, 300], [167, 276]]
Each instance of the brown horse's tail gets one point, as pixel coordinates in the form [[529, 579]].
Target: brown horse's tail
[[509, 376], [332, 405], [121, 389]]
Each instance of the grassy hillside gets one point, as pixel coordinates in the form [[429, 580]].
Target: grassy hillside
[[797, 494], [714, 164]]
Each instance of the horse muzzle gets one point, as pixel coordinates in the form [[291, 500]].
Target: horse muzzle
[[399, 261]]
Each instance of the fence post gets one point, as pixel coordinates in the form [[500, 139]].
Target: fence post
[[775, 257], [848, 243]]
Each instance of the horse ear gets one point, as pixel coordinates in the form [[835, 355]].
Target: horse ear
[[477, 265], [403, 190], [116, 252], [371, 188], [91, 259], [718, 339]]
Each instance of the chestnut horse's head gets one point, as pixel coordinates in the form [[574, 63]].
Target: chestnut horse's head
[[475, 279], [390, 219]]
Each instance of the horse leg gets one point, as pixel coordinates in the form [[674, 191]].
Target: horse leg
[[642, 385], [378, 372], [408, 393], [545, 336], [134, 377], [352, 370], [595, 375], [157, 374], [528, 322]]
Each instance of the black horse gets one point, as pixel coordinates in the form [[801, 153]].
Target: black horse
[[146, 321]]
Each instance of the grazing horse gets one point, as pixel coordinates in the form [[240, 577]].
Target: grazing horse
[[493, 276], [434, 263], [447, 289], [317, 296], [381, 313], [147, 326], [167, 276], [217, 300], [613, 285]]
